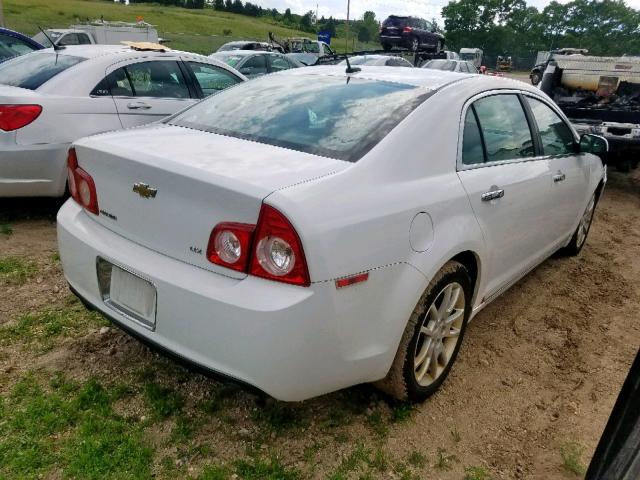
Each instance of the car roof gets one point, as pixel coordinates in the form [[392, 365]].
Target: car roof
[[243, 53], [95, 51], [419, 77]]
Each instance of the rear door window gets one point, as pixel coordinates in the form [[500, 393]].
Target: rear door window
[[555, 134], [161, 79], [278, 63], [504, 127], [256, 65], [32, 70], [12, 47], [212, 79], [472, 147]]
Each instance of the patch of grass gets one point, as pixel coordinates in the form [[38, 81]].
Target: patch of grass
[[377, 423], [455, 435], [401, 411], [259, 469], [213, 472], [279, 417], [476, 473], [351, 463], [571, 453], [403, 471], [5, 229], [55, 257], [310, 451], [444, 461], [70, 428], [16, 270], [379, 461], [417, 459], [162, 401], [41, 329]]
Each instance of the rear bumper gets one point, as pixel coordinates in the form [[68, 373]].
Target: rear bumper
[[291, 342], [33, 170]]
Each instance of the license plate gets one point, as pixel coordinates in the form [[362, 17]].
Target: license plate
[[128, 293]]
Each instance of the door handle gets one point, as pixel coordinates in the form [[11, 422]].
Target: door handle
[[138, 106], [492, 195], [559, 177]]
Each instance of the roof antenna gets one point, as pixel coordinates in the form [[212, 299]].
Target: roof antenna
[[55, 47], [351, 69]]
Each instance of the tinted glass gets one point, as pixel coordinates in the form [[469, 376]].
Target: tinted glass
[[69, 39], [161, 79], [32, 70], [12, 47], [472, 149], [556, 136], [504, 127], [441, 65], [212, 79], [395, 22], [83, 39], [254, 66], [278, 63], [120, 84], [319, 115]]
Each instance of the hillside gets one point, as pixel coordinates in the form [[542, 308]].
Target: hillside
[[201, 31]]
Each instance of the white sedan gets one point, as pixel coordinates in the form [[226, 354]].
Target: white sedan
[[50, 98], [313, 229]]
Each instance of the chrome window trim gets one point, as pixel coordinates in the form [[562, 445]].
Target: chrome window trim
[[460, 166]]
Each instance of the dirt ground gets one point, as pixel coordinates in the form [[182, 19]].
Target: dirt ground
[[540, 368]]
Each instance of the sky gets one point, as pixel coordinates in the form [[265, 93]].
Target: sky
[[383, 8]]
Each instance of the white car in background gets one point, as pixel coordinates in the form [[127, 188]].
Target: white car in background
[[460, 66], [379, 61], [50, 98], [312, 229]]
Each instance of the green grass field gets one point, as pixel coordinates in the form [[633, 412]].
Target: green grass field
[[201, 31]]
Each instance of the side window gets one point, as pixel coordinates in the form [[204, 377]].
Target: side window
[[504, 127], [256, 65], [102, 89], [69, 39], [278, 63], [83, 39], [212, 79], [119, 83], [162, 79], [556, 136], [472, 149]]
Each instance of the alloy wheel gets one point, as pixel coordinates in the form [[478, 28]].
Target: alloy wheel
[[439, 334], [585, 222]]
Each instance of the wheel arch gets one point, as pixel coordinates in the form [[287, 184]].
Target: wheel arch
[[471, 261]]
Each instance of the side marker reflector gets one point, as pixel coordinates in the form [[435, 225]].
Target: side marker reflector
[[352, 280]]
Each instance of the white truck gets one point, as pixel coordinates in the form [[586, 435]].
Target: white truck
[[473, 55], [99, 32]]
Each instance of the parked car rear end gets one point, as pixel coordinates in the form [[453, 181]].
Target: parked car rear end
[[410, 33]]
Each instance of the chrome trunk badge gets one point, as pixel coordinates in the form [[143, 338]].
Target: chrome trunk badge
[[144, 190]]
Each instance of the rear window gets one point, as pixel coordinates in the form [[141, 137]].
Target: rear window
[[327, 116], [441, 65], [34, 69], [396, 22]]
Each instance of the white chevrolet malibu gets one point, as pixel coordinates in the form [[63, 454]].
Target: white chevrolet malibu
[[316, 229], [50, 98]]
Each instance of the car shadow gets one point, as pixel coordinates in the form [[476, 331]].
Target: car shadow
[[38, 208]]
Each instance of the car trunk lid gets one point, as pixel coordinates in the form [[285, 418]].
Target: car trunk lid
[[166, 187]]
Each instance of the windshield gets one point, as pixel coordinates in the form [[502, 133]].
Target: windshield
[[333, 117], [230, 59], [32, 70], [42, 39], [468, 56], [441, 65]]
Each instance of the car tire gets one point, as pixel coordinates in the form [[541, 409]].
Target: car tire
[[579, 237], [433, 325], [535, 78]]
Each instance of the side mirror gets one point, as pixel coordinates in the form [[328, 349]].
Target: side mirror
[[593, 144]]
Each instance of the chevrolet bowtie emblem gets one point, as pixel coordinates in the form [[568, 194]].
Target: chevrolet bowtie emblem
[[144, 190]]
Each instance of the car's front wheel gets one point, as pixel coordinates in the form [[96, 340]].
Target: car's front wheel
[[432, 338], [535, 78]]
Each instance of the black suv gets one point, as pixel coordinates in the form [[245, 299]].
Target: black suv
[[413, 33]]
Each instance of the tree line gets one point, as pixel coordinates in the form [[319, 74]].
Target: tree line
[[511, 27]]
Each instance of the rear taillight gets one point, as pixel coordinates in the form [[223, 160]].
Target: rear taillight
[[13, 117], [81, 185], [230, 245], [272, 249], [407, 30]]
